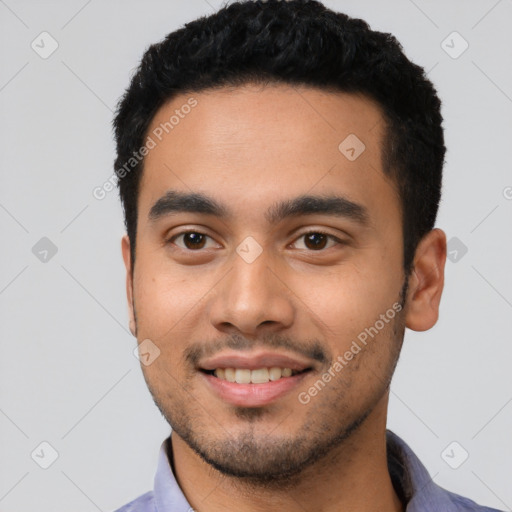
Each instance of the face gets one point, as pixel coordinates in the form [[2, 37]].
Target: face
[[263, 246]]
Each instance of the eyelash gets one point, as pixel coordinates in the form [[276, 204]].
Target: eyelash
[[302, 235]]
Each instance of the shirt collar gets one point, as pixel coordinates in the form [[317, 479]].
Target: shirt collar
[[409, 476], [408, 473], [167, 494]]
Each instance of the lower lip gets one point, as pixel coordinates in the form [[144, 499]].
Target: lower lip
[[253, 395]]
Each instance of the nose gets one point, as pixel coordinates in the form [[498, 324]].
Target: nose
[[252, 297]]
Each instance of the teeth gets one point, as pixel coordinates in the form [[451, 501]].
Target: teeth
[[259, 376], [229, 374], [242, 376], [275, 373]]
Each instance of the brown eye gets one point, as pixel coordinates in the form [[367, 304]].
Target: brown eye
[[194, 240], [191, 240], [316, 241]]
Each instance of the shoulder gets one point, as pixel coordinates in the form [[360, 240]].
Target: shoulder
[[463, 504], [144, 503], [417, 486]]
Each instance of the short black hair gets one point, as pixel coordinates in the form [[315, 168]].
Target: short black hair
[[295, 42]]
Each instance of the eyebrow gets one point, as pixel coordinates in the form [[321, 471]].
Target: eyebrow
[[174, 202]]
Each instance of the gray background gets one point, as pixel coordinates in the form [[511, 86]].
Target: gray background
[[68, 375]]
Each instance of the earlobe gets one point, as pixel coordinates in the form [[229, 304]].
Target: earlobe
[[125, 248], [426, 282]]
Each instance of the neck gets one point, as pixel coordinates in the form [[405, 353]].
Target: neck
[[353, 477]]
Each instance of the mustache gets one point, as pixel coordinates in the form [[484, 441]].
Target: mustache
[[312, 349]]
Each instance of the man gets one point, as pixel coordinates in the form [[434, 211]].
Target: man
[[280, 170]]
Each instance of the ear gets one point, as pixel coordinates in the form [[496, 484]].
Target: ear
[[125, 248], [426, 282]]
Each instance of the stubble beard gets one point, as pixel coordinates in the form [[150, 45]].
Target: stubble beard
[[263, 461]]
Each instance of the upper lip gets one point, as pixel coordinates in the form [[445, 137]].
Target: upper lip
[[253, 361]]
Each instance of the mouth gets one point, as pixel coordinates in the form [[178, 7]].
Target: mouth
[[253, 380], [257, 376]]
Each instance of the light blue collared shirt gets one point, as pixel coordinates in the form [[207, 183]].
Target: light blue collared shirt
[[409, 476]]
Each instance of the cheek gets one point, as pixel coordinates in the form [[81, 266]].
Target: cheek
[[160, 301], [350, 299], [169, 299]]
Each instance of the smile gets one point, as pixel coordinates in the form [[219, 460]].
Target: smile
[[257, 376], [243, 391]]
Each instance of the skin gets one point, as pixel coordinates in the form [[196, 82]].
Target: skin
[[247, 148]]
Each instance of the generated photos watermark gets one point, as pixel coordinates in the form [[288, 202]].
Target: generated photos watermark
[[341, 361], [157, 134]]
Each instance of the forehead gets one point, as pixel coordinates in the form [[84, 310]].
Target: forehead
[[247, 144]]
